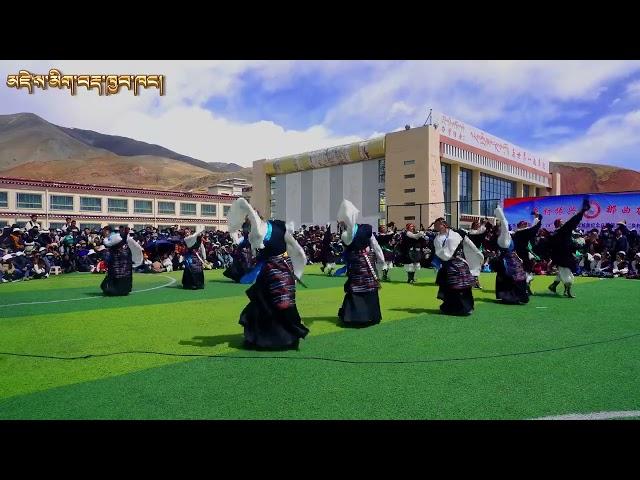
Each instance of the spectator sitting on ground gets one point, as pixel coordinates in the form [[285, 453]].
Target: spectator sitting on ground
[[39, 267], [8, 269], [634, 267], [621, 243], [17, 242], [22, 267], [620, 266], [167, 263]]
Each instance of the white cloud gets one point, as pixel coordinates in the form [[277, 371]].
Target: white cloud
[[212, 138], [178, 120], [552, 131], [477, 91], [613, 140], [377, 96], [633, 89]]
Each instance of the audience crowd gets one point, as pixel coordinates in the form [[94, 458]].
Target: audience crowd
[[33, 253]]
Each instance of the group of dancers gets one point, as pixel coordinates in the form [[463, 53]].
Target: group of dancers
[[271, 319]]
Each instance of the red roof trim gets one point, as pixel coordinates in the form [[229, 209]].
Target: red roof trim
[[132, 191]]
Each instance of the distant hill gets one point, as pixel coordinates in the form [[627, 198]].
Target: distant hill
[[31, 147], [25, 138], [143, 171], [128, 147], [200, 184], [594, 178]]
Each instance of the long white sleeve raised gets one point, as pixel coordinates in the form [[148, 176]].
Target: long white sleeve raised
[[446, 245], [375, 246], [296, 253]]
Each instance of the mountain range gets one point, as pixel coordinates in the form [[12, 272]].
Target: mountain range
[[31, 147]]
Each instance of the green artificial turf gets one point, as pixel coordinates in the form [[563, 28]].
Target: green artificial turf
[[482, 366]]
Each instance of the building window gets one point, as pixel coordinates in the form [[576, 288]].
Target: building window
[[142, 206], [409, 162], [90, 204], [29, 200], [525, 191], [210, 228], [118, 205], [4, 200], [446, 188], [56, 225], [492, 190], [272, 205], [225, 210], [167, 208], [208, 210], [164, 228], [91, 226], [410, 175], [409, 190], [466, 176], [537, 192], [381, 170], [138, 226], [382, 200], [188, 209], [60, 202]]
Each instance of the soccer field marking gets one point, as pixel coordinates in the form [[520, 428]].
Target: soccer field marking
[[594, 416], [316, 358], [172, 281]]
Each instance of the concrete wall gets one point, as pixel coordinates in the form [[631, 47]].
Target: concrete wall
[[312, 197]]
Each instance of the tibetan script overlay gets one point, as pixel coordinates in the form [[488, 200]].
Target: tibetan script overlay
[[105, 84]]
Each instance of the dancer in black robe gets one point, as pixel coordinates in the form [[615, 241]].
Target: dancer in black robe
[[523, 239], [454, 276], [411, 251], [327, 254], [271, 319], [241, 255], [124, 255], [511, 279], [361, 304], [385, 240], [193, 274], [562, 250]]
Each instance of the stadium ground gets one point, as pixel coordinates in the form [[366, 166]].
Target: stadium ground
[[66, 352]]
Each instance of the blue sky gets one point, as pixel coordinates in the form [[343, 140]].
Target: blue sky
[[239, 111]]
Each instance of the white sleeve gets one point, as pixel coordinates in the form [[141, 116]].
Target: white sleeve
[[482, 229], [445, 252], [504, 240], [347, 236], [373, 243], [136, 251], [236, 237], [473, 256], [296, 253], [415, 236], [112, 240]]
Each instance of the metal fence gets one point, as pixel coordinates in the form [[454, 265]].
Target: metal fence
[[456, 213]]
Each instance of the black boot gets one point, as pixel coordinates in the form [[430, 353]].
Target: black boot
[[567, 292], [553, 286], [385, 275], [529, 292], [411, 277]]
